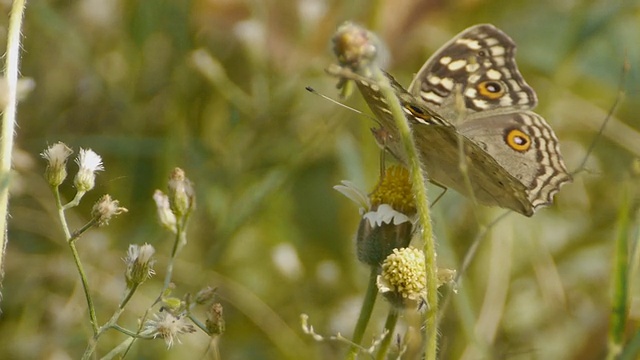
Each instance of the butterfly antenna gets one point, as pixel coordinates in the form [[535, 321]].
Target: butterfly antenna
[[313, 91], [612, 110]]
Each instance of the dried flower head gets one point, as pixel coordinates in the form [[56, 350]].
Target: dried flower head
[[357, 47], [215, 322], [89, 163], [105, 209], [56, 156], [139, 263], [168, 327]]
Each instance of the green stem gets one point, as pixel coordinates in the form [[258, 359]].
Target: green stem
[[76, 200], [76, 258], [389, 326], [620, 282], [91, 347], [365, 314], [198, 323], [128, 296], [85, 285], [420, 191], [123, 346], [61, 217], [180, 240], [76, 234], [9, 119]]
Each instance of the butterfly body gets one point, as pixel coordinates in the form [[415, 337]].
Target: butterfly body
[[470, 113]]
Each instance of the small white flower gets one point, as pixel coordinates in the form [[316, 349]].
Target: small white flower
[[385, 214], [168, 327], [89, 163], [56, 156]]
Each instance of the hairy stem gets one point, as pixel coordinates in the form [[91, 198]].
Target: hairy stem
[[9, 119]]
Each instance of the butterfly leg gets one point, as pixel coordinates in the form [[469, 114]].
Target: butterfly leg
[[444, 191]]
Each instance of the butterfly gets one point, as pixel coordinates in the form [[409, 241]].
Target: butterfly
[[470, 112]]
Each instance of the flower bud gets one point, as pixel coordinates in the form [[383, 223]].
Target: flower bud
[[181, 196], [215, 322], [56, 156]]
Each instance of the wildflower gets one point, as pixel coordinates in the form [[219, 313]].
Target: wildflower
[[139, 264], [56, 156], [105, 209], [89, 163], [404, 277], [165, 215], [168, 327], [388, 216], [181, 195]]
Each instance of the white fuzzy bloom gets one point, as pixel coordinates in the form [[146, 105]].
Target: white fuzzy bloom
[[139, 263], [89, 163]]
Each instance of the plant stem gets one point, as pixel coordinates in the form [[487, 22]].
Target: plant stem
[[422, 203], [389, 326], [85, 286], [123, 346], [61, 217], [620, 282], [9, 119], [365, 313], [181, 239]]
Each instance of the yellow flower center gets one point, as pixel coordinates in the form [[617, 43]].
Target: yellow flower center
[[395, 189]]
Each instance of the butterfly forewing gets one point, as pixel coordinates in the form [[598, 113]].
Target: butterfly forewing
[[479, 65]]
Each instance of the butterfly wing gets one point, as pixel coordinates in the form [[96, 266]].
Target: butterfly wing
[[474, 81], [524, 145], [439, 151], [478, 66]]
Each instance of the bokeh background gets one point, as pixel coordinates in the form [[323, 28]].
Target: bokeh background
[[216, 87]]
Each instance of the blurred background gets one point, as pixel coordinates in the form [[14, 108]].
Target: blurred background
[[216, 87]]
